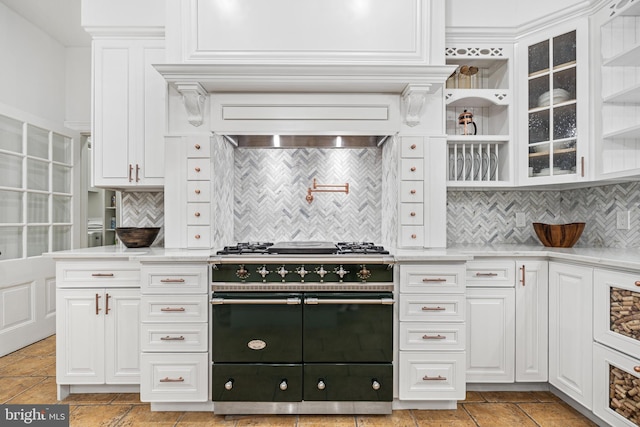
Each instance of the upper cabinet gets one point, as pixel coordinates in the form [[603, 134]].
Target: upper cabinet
[[617, 103], [553, 97], [128, 113], [479, 101]]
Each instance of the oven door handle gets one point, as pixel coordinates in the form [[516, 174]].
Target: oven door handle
[[256, 301], [381, 301]]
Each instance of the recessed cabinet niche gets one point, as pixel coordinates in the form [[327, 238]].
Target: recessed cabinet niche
[[478, 97]]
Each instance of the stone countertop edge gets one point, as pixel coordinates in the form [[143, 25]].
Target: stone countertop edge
[[628, 258]]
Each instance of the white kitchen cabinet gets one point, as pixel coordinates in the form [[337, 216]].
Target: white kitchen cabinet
[[98, 338], [553, 100], [490, 335], [532, 321], [571, 330], [479, 154], [128, 113]]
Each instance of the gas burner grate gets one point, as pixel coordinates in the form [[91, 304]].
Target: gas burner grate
[[246, 248]]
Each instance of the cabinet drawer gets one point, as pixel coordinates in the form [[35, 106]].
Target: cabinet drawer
[[174, 308], [198, 169], [412, 169], [412, 191], [432, 278], [98, 274], [198, 236], [411, 214], [432, 336], [432, 308], [437, 376], [491, 273], [198, 191], [411, 236], [198, 147], [198, 214], [182, 377], [412, 146], [174, 279], [170, 337]]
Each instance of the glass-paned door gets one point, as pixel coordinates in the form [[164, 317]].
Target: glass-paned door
[[552, 106]]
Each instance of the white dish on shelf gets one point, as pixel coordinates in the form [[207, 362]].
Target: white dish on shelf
[[559, 95]]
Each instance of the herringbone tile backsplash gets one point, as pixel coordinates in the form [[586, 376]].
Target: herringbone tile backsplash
[[489, 216], [142, 209]]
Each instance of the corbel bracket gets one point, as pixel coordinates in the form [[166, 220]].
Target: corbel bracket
[[193, 98], [414, 98]]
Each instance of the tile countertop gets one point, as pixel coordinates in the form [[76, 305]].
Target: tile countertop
[[610, 257]]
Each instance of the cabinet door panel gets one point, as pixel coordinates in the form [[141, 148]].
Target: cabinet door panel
[[154, 90], [122, 335]]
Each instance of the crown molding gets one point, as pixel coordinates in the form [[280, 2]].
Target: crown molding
[[112, 32]]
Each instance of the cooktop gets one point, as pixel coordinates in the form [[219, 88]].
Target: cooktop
[[303, 248]]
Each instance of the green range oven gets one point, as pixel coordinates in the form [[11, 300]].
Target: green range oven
[[302, 333]]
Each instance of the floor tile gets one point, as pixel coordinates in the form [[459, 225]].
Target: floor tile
[[96, 415], [45, 347], [202, 419], [90, 398], [142, 416], [267, 421], [397, 419], [127, 399], [10, 358], [547, 414], [473, 396], [426, 417], [12, 386], [546, 396], [326, 421], [27, 366], [498, 415], [509, 396], [41, 393]]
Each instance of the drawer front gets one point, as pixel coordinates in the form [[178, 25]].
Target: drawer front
[[182, 377], [411, 214], [432, 336], [491, 273], [438, 376], [174, 308], [174, 279], [432, 308], [198, 191], [412, 236], [198, 214], [412, 191], [372, 382], [198, 169], [412, 146], [432, 278], [98, 274], [198, 147], [412, 169], [617, 310], [198, 236], [169, 337]]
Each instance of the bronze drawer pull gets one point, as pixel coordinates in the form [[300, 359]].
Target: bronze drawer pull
[[197, 236], [434, 280], [197, 191], [524, 275], [431, 337], [197, 214], [173, 309], [168, 338], [413, 236], [172, 380], [636, 368], [102, 275], [97, 306], [137, 172], [106, 305], [197, 146], [486, 274], [197, 169], [172, 281], [438, 378], [433, 309], [130, 172], [637, 283], [413, 146], [413, 168], [412, 214], [413, 191]]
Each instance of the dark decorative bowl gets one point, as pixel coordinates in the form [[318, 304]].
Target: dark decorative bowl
[[559, 235], [137, 237]]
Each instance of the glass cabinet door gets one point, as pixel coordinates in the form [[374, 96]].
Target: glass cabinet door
[[552, 106]]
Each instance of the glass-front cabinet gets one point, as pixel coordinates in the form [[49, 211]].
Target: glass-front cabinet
[[554, 137]]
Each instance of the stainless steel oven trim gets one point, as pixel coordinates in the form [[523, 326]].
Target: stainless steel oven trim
[[380, 301], [304, 407]]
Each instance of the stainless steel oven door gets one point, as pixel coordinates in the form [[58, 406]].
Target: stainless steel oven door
[[348, 327], [257, 327]]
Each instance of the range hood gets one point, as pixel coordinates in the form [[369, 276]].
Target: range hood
[[306, 141]]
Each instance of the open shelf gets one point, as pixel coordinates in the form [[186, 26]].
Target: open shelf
[[629, 95], [632, 132], [555, 152], [476, 97], [630, 57]]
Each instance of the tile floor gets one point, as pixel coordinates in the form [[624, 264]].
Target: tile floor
[[28, 376]]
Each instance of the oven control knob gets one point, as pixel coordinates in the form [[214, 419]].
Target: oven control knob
[[321, 385], [242, 272], [263, 271], [341, 272], [364, 273], [320, 271], [282, 271], [283, 385], [302, 272], [228, 385], [375, 385]]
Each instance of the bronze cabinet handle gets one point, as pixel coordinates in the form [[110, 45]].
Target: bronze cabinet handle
[[637, 283], [137, 172], [97, 305], [168, 338], [432, 337], [412, 214], [636, 368], [413, 236], [102, 275], [197, 236], [426, 279], [197, 191], [486, 274], [106, 306], [172, 380], [433, 309], [130, 172], [524, 275], [171, 309], [197, 169], [413, 191], [172, 281], [438, 378], [197, 146], [197, 214]]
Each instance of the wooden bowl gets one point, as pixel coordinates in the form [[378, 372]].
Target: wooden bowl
[[559, 235], [137, 237]]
